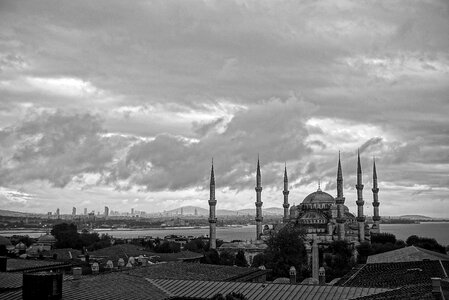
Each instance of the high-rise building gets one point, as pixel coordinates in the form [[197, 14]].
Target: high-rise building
[[106, 211], [57, 213], [73, 211], [85, 211], [132, 211]]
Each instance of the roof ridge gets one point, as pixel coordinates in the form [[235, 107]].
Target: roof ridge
[[442, 267], [353, 275], [158, 286]]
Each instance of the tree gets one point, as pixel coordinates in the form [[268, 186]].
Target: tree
[[338, 259], [227, 258], [167, 247], [196, 245], [383, 238], [286, 249], [66, 235], [240, 259], [364, 250], [211, 257], [259, 260]]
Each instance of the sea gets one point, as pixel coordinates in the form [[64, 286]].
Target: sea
[[437, 230]]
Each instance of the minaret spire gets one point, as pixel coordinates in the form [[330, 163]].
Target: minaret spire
[[286, 205], [212, 204], [360, 202], [259, 202], [375, 189], [340, 201]]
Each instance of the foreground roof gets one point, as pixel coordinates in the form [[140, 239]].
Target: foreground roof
[[392, 275], [197, 272], [103, 287], [411, 253], [260, 291], [19, 265]]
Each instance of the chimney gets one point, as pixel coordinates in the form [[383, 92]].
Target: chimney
[[436, 288], [77, 272], [292, 275], [322, 276], [42, 285], [95, 268], [3, 263]]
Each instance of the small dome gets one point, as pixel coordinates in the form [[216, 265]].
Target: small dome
[[4, 241], [21, 246], [47, 238], [282, 280], [319, 197]]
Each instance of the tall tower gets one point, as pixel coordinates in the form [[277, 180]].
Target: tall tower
[[212, 217], [375, 189], [285, 192], [360, 202], [259, 203], [340, 201]]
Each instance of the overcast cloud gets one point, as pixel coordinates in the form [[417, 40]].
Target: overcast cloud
[[125, 103]]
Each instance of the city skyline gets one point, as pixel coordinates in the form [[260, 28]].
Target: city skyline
[[115, 104]]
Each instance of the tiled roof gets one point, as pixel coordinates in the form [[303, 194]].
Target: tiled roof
[[411, 253], [196, 272], [18, 265], [259, 291], [10, 280], [395, 274], [103, 287], [410, 292]]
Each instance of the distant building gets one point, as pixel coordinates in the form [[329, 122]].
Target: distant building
[[57, 213], [85, 211], [106, 211], [73, 211], [132, 211]]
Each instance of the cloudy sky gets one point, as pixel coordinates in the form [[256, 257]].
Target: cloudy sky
[[124, 103]]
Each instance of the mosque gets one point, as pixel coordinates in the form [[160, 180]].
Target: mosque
[[323, 217]]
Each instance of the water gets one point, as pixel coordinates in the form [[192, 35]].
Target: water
[[436, 230]]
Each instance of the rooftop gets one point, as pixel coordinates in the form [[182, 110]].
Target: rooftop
[[116, 285], [411, 253], [392, 275], [261, 291], [197, 272], [19, 265]]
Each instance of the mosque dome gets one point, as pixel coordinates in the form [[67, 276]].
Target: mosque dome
[[319, 197]]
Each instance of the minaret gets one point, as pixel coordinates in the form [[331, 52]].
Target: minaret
[[285, 192], [375, 189], [360, 202], [259, 203], [212, 218], [340, 201]]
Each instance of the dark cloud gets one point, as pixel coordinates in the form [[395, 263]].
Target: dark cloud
[[53, 147]]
